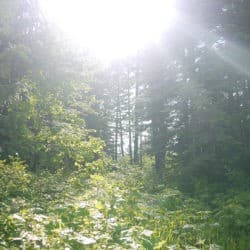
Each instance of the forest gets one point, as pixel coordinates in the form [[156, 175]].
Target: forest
[[148, 150]]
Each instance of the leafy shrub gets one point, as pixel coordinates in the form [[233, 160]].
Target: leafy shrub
[[48, 130], [238, 179], [14, 178], [235, 215], [46, 185], [151, 181], [147, 161], [124, 161]]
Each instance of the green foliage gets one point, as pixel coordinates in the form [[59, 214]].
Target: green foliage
[[124, 161], [235, 215], [47, 134], [115, 211], [238, 179], [197, 103], [147, 161], [14, 178], [151, 180]]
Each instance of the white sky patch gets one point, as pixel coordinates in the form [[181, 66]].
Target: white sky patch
[[111, 28]]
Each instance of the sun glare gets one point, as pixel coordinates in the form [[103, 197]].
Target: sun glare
[[111, 28]]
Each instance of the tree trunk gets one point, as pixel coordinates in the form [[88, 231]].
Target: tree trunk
[[119, 118], [159, 140], [116, 129], [121, 137], [140, 151], [160, 161], [116, 136], [129, 123], [136, 141]]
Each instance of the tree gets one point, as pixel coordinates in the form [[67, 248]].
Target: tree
[[44, 104]]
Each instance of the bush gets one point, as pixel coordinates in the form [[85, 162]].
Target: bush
[[125, 161], [235, 215], [14, 178]]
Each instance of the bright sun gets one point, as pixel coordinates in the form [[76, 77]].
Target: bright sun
[[111, 28]]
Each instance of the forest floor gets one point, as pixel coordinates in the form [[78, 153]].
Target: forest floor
[[111, 212]]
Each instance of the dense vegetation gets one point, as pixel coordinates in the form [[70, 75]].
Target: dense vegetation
[[151, 152]]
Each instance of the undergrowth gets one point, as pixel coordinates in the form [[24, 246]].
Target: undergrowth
[[119, 210]]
